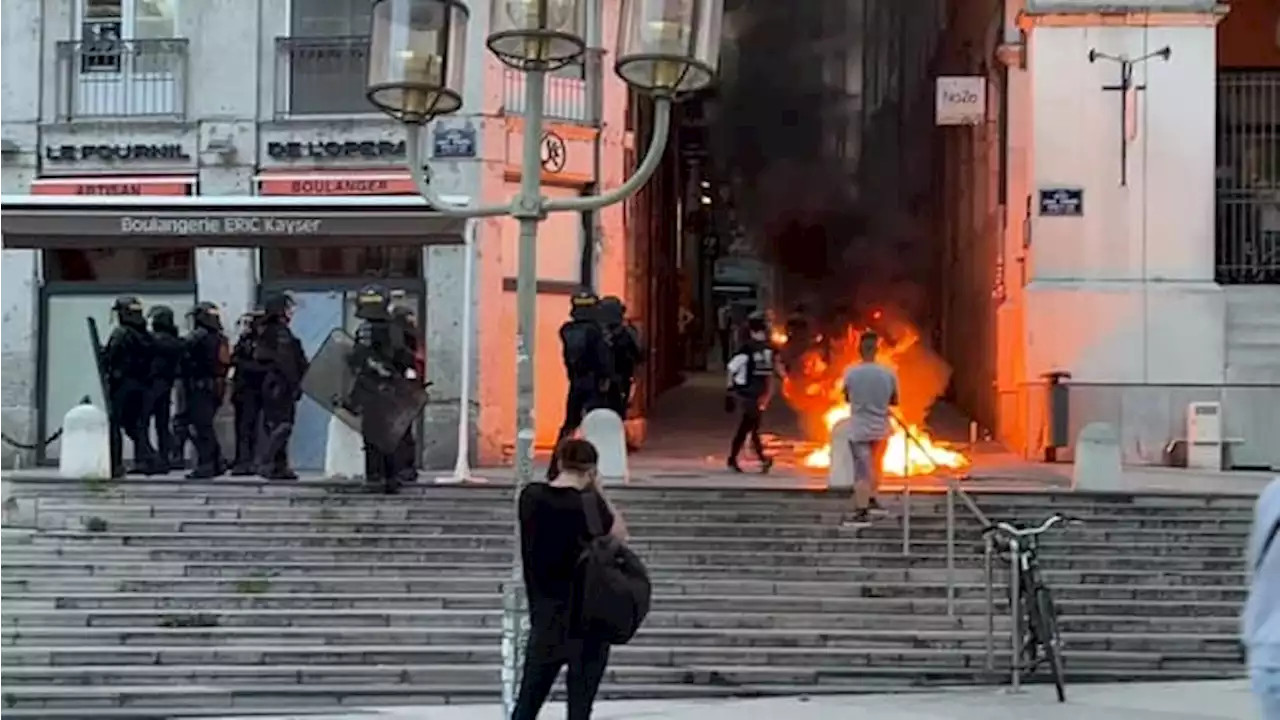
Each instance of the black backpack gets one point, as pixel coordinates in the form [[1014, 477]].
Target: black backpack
[[614, 584]]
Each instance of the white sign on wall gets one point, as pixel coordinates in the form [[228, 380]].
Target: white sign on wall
[[961, 100]]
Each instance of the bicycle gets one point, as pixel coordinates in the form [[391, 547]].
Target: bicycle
[[1037, 620]]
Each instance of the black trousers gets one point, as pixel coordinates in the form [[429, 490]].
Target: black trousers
[[247, 405], [389, 469], [279, 408], [749, 414], [582, 398], [202, 408], [128, 418], [159, 409], [586, 660]]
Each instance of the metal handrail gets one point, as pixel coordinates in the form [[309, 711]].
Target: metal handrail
[[955, 491]]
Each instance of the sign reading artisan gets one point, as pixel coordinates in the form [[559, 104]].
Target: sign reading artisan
[[238, 225], [113, 153], [334, 150]]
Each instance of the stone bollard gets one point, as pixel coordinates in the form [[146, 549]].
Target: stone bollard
[[603, 428], [1097, 459], [343, 452], [840, 472], [86, 444]]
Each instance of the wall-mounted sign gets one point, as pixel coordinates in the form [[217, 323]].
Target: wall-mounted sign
[[1061, 202], [230, 225], [354, 184], [555, 153], [961, 100], [109, 186], [335, 150], [138, 152], [449, 143]]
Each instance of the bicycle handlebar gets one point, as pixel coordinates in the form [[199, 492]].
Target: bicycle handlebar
[[1043, 527]]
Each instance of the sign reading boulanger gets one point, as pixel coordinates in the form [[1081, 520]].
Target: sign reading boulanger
[[228, 225]]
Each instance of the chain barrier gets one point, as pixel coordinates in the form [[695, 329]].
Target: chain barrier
[[18, 445]]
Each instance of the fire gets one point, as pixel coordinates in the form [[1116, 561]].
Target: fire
[[816, 391], [908, 452]]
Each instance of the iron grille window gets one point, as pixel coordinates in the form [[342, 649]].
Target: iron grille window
[[1247, 247]]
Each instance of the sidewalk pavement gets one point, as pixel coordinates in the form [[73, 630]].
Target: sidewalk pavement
[[1207, 700]]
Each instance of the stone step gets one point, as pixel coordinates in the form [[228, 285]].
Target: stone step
[[157, 702], [410, 565], [675, 546], [838, 658], [959, 636], [667, 581], [262, 594], [728, 612]]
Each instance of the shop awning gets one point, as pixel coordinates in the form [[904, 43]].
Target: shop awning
[[172, 222], [99, 186]]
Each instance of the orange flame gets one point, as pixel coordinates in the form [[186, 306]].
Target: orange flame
[[910, 450]]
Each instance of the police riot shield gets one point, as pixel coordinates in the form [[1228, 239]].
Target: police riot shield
[[380, 405], [99, 361]]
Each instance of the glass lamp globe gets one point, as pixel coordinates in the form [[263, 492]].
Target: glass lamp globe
[[417, 52], [667, 47], [537, 34]]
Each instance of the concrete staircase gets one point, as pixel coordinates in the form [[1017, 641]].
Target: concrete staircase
[[170, 599]]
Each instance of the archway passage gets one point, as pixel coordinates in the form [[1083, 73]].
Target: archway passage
[[813, 176]]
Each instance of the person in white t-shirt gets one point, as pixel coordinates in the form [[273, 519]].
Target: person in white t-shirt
[[871, 389]]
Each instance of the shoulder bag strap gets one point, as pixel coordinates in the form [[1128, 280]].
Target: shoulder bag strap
[[595, 525], [1266, 546]]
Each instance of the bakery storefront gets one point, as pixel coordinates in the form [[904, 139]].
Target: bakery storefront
[[92, 250]]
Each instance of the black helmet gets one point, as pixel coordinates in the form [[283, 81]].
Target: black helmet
[[373, 303], [404, 313], [277, 304], [129, 310], [612, 309], [207, 315], [583, 305], [161, 317], [757, 321]]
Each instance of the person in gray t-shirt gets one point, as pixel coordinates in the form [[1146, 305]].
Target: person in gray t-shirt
[[871, 389]]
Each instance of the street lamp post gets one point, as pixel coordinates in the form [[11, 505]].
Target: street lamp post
[[666, 48]]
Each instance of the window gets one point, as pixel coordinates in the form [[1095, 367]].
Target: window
[[106, 24], [363, 261], [119, 265], [327, 56]]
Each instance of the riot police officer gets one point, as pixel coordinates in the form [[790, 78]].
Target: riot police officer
[[126, 365], [279, 354], [625, 349], [206, 360], [246, 393], [165, 369], [587, 362], [381, 356], [750, 386]]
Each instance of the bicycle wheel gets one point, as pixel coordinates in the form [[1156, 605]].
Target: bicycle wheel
[[1045, 624]]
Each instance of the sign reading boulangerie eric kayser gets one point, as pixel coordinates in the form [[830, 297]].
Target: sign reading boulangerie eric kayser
[[231, 225], [961, 100]]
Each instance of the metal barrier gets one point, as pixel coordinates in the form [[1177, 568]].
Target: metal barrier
[[112, 78], [954, 492], [566, 97]]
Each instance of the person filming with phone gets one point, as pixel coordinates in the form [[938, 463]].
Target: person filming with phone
[[554, 530]]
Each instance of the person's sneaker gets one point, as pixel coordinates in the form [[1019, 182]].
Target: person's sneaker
[[857, 519], [733, 465], [766, 464], [874, 507]]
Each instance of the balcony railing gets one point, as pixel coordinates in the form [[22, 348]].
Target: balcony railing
[[122, 78], [566, 98], [321, 76]]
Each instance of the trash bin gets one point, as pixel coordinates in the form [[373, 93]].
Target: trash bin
[[1058, 414]]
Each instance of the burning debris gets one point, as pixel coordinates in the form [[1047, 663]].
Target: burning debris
[[813, 386]]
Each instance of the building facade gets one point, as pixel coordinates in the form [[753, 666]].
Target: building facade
[[1137, 209], [254, 111]]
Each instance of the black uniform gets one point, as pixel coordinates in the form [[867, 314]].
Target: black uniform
[[127, 364], [626, 352], [751, 373], [246, 395], [589, 365], [165, 370], [283, 362], [206, 359], [381, 355]]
